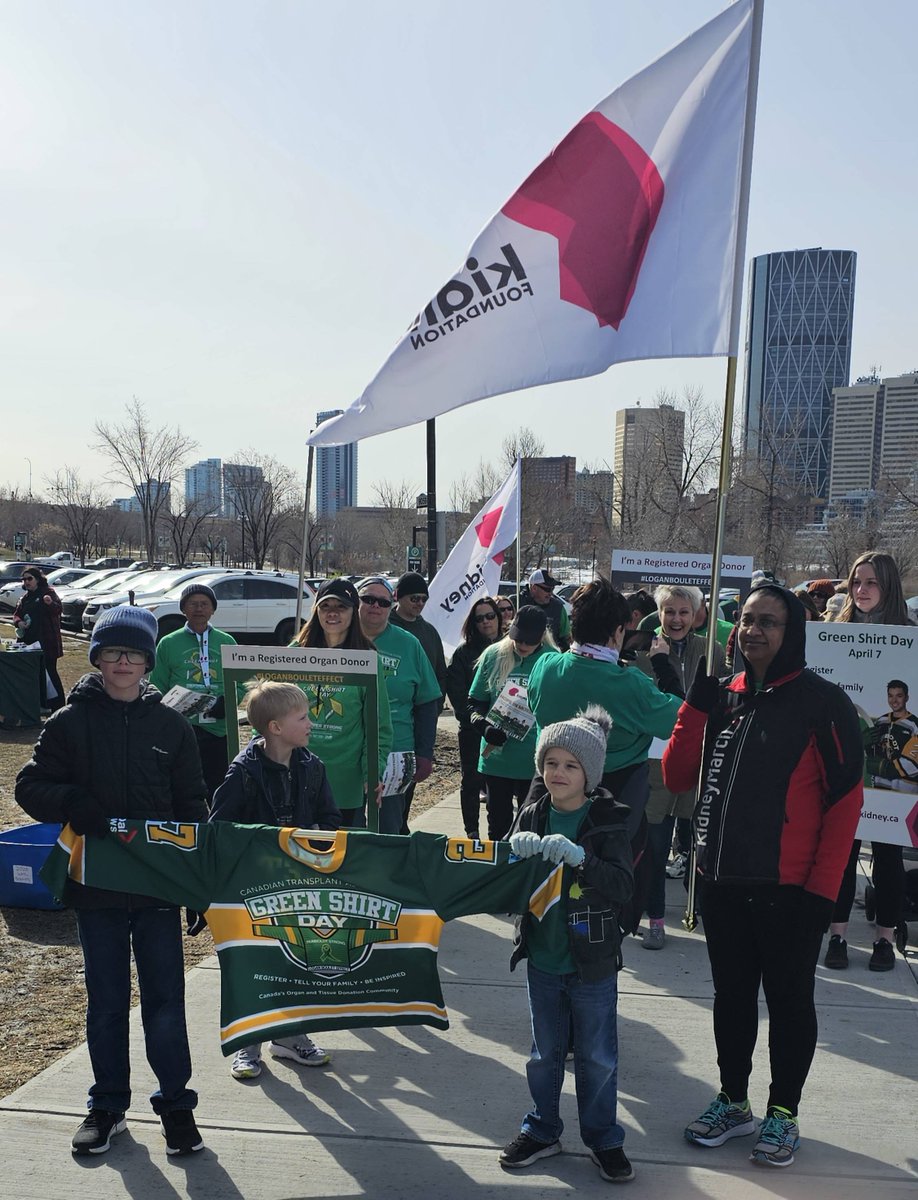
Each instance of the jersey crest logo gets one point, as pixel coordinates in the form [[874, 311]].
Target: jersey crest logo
[[325, 931]]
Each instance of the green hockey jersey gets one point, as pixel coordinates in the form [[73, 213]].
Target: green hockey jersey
[[313, 933]]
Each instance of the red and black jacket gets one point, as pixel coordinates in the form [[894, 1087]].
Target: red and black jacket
[[782, 774]]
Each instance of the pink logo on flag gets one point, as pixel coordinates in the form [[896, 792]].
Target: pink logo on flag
[[600, 195], [487, 526]]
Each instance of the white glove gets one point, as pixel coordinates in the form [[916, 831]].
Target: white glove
[[525, 843], [556, 848]]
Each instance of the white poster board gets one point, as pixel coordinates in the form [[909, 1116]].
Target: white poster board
[[863, 660]]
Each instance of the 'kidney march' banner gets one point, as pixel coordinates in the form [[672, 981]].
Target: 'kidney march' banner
[[877, 665]]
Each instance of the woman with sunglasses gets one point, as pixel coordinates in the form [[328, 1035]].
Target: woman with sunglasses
[[412, 688], [339, 712], [506, 606], [874, 598], [507, 763], [479, 630], [37, 618]]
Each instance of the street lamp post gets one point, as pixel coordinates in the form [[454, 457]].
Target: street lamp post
[[29, 461]]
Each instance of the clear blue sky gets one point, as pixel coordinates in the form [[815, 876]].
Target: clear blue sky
[[232, 210]]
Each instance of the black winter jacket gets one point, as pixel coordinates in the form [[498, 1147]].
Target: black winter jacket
[[459, 676], [247, 795], [605, 880], [138, 760]]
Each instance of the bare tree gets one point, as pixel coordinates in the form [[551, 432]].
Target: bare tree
[[148, 460], [79, 506], [397, 501], [262, 491], [524, 444], [184, 522]]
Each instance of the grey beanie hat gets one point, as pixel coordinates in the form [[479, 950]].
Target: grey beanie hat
[[584, 736]]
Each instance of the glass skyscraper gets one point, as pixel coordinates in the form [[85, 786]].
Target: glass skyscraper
[[336, 473], [798, 349]]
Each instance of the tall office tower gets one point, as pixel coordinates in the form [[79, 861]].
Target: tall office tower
[[798, 348], [857, 426], [649, 446], [237, 478], [336, 473], [204, 486], [874, 436]]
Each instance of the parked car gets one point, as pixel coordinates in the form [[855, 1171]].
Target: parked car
[[75, 599], [111, 561], [11, 572], [149, 585], [63, 558], [253, 606]]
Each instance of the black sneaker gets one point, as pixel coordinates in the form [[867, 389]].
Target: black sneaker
[[836, 953], [524, 1150], [180, 1132], [95, 1134], [883, 957], [613, 1165]]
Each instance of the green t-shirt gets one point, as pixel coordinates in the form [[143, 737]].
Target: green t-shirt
[[338, 715], [410, 681], [178, 661], [563, 684], [515, 759], [548, 943]]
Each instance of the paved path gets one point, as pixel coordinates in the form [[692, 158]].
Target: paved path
[[417, 1113]]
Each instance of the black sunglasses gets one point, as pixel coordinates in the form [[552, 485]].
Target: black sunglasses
[[504, 608], [376, 601], [482, 617], [26, 578]]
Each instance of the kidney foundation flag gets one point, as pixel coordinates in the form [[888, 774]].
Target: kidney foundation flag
[[621, 245], [473, 568]]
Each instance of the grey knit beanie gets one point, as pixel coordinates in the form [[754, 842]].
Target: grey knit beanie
[[584, 736]]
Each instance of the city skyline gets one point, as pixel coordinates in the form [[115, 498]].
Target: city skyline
[[252, 251]]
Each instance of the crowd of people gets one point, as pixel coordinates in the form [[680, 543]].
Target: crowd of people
[[556, 715]]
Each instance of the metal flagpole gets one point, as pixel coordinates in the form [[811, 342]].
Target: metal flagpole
[[689, 919], [299, 591], [519, 527], [433, 550]]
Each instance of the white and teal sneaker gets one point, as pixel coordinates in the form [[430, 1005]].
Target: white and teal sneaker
[[779, 1137], [720, 1121]]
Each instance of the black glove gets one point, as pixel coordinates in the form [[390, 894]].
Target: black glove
[[703, 692], [665, 673], [218, 709], [494, 736], [194, 922], [85, 815]]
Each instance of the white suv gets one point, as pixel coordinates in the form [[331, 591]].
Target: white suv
[[251, 605]]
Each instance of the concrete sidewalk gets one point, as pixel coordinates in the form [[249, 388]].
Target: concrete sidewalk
[[418, 1113]]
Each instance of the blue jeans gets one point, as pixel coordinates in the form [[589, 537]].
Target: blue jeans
[[107, 935], [556, 1002]]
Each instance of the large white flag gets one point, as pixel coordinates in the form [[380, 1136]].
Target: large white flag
[[619, 246], [473, 568]]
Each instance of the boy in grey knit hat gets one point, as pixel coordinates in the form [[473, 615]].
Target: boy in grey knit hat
[[574, 950]]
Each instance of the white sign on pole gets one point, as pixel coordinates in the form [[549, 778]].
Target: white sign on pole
[[877, 665]]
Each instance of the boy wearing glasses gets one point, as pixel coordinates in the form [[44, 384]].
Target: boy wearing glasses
[[115, 751]]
